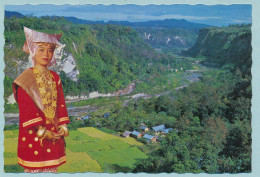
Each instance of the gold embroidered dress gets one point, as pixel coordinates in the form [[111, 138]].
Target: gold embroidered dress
[[41, 103], [48, 92]]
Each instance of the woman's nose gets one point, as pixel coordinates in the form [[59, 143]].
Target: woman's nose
[[46, 53]]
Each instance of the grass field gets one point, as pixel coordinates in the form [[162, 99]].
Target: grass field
[[88, 150]]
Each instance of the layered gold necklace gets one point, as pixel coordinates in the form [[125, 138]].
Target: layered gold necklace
[[47, 87]]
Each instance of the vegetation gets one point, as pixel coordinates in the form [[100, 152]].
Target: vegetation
[[211, 118], [108, 57], [229, 46], [88, 150]]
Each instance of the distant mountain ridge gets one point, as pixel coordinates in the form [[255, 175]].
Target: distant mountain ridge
[[9, 14], [167, 23], [168, 35]]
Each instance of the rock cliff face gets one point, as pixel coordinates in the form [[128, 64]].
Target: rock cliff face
[[68, 65], [227, 45], [168, 38], [174, 41]]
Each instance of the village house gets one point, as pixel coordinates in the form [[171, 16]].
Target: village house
[[86, 117], [78, 118], [136, 134], [106, 115], [158, 128], [144, 128], [149, 138], [167, 130], [126, 134]]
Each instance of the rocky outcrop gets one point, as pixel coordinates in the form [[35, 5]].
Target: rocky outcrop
[[226, 45], [167, 38], [68, 65]]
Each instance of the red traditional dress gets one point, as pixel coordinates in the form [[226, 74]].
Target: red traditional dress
[[41, 102]]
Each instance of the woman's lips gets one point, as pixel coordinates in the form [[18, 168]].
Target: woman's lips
[[45, 59]]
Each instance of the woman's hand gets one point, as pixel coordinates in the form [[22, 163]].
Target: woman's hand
[[57, 136], [51, 135], [60, 132], [63, 130]]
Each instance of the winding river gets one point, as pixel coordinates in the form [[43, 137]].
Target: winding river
[[190, 75]]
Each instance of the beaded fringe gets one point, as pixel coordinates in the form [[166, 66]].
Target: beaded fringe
[[44, 170]]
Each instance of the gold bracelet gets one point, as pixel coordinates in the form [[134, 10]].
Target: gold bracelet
[[48, 135], [65, 129], [41, 131], [43, 137]]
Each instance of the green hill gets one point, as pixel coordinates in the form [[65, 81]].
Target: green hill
[[229, 45], [108, 57]]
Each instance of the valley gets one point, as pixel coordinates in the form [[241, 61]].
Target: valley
[[134, 79]]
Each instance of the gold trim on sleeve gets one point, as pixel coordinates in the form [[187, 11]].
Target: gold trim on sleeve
[[38, 119], [63, 119], [42, 163]]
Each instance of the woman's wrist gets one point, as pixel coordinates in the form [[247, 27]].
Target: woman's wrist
[[41, 131], [64, 129]]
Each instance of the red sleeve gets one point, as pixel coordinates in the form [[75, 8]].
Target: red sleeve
[[62, 112], [28, 112]]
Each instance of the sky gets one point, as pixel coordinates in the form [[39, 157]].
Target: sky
[[217, 15]]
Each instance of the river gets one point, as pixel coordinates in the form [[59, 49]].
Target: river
[[189, 75]]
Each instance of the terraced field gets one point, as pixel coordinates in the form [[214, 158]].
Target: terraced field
[[88, 150]]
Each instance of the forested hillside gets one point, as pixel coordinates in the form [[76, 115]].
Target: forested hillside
[[229, 46], [210, 118], [168, 35], [108, 57], [213, 117]]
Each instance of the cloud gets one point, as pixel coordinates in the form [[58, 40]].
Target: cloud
[[240, 21], [162, 17]]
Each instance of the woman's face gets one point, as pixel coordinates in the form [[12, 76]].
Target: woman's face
[[44, 54]]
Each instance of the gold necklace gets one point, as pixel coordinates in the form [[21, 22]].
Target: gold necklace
[[48, 92]]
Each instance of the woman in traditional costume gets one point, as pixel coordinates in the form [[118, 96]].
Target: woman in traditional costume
[[42, 111]]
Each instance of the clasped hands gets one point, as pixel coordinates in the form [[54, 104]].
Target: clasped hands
[[62, 132], [49, 135]]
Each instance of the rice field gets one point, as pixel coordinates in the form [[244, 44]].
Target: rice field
[[88, 150]]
